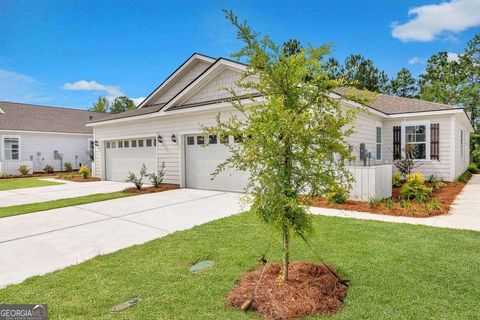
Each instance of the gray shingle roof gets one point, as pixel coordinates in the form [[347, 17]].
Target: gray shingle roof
[[394, 105], [28, 117]]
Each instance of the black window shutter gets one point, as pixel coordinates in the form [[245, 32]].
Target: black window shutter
[[435, 141], [397, 142]]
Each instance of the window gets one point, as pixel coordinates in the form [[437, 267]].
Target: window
[[114, 144], [11, 147], [416, 141], [134, 143], [108, 144], [120, 144], [190, 141], [149, 142], [125, 144], [140, 143], [212, 139], [224, 139], [462, 144], [200, 139], [379, 143]]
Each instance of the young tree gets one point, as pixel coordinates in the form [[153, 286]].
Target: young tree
[[121, 104], [100, 106], [294, 139], [403, 85]]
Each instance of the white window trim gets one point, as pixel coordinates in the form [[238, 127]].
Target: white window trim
[[2, 146], [425, 123]]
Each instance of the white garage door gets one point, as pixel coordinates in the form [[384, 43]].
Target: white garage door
[[201, 161], [122, 156]]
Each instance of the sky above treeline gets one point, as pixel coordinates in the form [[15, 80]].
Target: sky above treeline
[[67, 53]]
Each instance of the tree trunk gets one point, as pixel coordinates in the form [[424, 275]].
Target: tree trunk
[[286, 253]]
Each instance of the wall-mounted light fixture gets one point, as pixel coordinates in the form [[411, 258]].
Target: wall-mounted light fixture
[[174, 138], [160, 139], [96, 143]]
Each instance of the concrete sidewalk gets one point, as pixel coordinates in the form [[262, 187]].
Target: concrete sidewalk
[[34, 244], [464, 214], [67, 190]]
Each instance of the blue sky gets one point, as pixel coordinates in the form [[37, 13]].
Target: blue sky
[[129, 47]]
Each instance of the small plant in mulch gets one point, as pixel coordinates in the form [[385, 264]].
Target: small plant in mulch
[[85, 172], [48, 169], [137, 180], [68, 167], [311, 289], [24, 169]]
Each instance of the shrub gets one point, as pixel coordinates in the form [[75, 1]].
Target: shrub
[[389, 204], [415, 188], [24, 169], [397, 179], [84, 172], [475, 155], [137, 181], [472, 168], [436, 182], [157, 178], [337, 196], [374, 202], [433, 205], [406, 163], [464, 177], [68, 167], [405, 204], [48, 168]]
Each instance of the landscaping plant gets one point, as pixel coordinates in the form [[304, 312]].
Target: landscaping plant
[[472, 168], [295, 138], [397, 180], [48, 168], [157, 178], [84, 171], [24, 169], [68, 167], [389, 204], [415, 188], [406, 163], [137, 181], [338, 196], [374, 202], [433, 205], [464, 177], [436, 182]]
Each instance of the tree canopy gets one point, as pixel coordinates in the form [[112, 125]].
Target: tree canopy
[[101, 105], [121, 104]]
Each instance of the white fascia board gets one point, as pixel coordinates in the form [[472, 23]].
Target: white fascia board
[[424, 113], [48, 132], [221, 63], [171, 77]]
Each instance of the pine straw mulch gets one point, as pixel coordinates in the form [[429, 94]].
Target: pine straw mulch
[[310, 289], [163, 187], [446, 195], [80, 179]]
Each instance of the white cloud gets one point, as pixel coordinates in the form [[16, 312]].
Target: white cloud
[[19, 87], [451, 56], [138, 100], [416, 60], [430, 21], [93, 85]]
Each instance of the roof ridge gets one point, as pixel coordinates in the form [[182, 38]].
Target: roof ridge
[[44, 106], [421, 100]]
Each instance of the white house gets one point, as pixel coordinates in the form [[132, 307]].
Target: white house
[[166, 128], [39, 135]]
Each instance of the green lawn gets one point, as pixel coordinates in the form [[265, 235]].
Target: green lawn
[[396, 271], [20, 183], [54, 204]]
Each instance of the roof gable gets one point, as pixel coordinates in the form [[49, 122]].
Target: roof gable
[[189, 70]]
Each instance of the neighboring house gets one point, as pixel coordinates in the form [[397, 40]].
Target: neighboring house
[[40, 135], [166, 128]]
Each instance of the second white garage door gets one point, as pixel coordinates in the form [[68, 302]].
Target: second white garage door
[[201, 161], [122, 156]]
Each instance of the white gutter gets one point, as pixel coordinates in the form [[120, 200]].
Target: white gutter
[[48, 132]]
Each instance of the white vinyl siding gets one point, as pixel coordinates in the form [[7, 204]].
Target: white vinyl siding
[[462, 148], [365, 131]]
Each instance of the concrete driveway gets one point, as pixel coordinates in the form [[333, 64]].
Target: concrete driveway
[[42, 242], [67, 190]]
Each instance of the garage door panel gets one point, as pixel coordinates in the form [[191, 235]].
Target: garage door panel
[[202, 160]]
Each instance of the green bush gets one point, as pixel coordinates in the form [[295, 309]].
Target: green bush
[[48, 168], [472, 168], [433, 205], [464, 177], [436, 182], [84, 172], [137, 181], [475, 154], [397, 179], [337, 196], [415, 188], [405, 204], [374, 202], [24, 169], [389, 204], [68, 167]]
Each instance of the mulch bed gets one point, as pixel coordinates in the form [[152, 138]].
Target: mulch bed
[[446, 195], [310, 289], [163, 187], [80, 179]]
